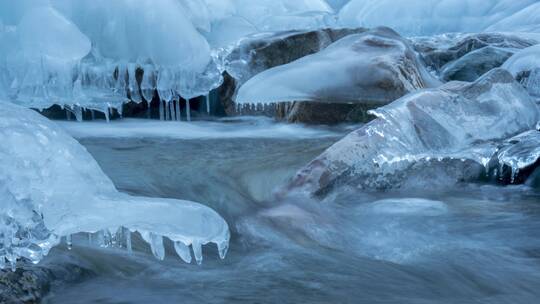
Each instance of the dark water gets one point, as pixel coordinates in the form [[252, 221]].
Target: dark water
[[470, 244]]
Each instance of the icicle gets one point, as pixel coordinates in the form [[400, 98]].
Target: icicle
[[148, 84], [133, 86], [222, 249], [156, 244], [167, 114], [89, 238], [106, 112], [78, 113], [93, 114], [127, 233], [107, 238], [68, 114], [69, 242], [161, 114], [183, 251], [188, 110], [13, 262], [171, 110], [116, 238], [197, 252], [515, 173], [178, 113], [3, 262], [207, 98]]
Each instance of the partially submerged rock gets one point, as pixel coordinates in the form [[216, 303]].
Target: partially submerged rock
[[358, 72], [447, 135], [255, 54]]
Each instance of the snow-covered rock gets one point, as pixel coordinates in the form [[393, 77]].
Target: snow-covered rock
[[50, 187], [358, 72], [444, 135]]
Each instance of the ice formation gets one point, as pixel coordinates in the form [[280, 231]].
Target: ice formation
[[427, 17], [459, 125], [50, 187], [100, 54], [525, 66], [373, 67]]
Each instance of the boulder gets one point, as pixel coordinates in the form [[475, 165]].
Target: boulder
[[338, 84], [475, 64], [435, 136], [257, 53], [439, 51]]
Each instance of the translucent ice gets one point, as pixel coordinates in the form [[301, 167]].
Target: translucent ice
[[51, 187]]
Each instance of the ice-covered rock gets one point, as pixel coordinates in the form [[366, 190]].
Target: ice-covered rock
[[525, 66], [427, 17], [475, 64], [446, 50], [358, 72], [445, 135], [519, 156], [260, 52], [50, 187]]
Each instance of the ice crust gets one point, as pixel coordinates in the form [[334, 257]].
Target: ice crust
[[50, 187]]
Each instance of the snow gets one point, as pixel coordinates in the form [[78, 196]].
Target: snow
[[52, 188]]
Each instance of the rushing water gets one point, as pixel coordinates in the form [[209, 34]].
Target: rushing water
[[471, 244]]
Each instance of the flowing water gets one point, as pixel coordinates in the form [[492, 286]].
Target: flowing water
[[467, 244]]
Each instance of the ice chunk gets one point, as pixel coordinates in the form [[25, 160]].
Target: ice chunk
[[51, 187]]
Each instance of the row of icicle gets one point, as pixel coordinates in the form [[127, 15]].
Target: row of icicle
[[168, 110]]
